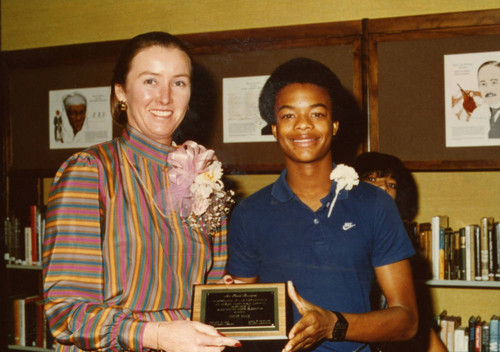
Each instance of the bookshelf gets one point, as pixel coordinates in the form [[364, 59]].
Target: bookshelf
[[24, 280], [24, 267], [461, 283], [27, 348]]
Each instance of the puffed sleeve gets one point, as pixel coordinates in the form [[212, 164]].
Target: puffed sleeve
[[73, 264]]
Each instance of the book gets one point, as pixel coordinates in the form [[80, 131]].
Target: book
[[478, 337], [41, 326], [462, 255], [27, 245], [453, 323], [477, 253], [448, 325], [7, 239], [425, 240], [472, 331], [485, 223], [469, 253], [438, 224], [448, 256], [34, 234], [35, 320], [494, 334], [485, 337], [40, 224], [492, 249], [17, 240], [460, 342], [28, 316], [18, 321], [443, 326], [497, 235], [456, 262]]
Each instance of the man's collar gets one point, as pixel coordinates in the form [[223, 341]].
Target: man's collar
[[282, 191]]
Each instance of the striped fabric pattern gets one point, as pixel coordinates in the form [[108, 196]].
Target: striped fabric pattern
[[111, 260]]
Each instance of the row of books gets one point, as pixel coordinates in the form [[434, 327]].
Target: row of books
[[23, 243], [470, 253], [29, 326], [477, 336]]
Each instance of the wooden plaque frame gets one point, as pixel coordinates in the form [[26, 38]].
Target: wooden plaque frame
[[239, 295]]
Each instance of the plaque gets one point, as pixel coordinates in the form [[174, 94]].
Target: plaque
[[243, 311]]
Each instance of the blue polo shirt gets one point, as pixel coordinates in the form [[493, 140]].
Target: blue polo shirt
[[274, 236]]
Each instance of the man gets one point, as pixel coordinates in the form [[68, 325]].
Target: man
[[331, 244], [488, 75], [76, 109]]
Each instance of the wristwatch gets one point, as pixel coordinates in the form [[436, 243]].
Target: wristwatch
[[340, 328]]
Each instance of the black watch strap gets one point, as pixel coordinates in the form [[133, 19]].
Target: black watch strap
[[340, 328]]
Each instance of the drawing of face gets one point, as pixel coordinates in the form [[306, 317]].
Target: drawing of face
[[76, 116], [489, 84]]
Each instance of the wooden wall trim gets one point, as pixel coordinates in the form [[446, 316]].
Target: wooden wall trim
[[372, 74], [198, 43], [434, 22], [273, 37]]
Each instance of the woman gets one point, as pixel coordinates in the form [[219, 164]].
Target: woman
[[134, 223], [389, 173]]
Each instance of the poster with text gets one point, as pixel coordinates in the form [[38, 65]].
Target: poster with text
[[472, 92], [241, 118], [79, 118]]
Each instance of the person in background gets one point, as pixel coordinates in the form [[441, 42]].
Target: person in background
[[389, 173], [134, 223], [320, 231]]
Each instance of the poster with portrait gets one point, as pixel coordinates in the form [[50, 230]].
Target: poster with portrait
[[79, 118], [241, 117], [472, 93]]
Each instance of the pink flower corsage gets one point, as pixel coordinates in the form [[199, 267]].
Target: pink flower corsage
[[196, 188]]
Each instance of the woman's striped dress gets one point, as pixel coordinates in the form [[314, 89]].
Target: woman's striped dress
[[111, 260]]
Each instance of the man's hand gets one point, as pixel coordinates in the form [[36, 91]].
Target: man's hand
[[315, 325]]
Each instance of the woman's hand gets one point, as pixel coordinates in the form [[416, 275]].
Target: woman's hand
[[186, 336], [315, 325], [229, 280]]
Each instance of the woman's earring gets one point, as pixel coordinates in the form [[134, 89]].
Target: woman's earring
[[122, 105]]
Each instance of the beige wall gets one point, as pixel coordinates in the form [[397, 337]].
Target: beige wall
[[465, 197], [40, 23]]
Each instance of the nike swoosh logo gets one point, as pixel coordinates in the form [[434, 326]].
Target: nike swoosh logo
[[348, 226]]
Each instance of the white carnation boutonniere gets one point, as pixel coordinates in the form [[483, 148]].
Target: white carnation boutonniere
[[346, 178]]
